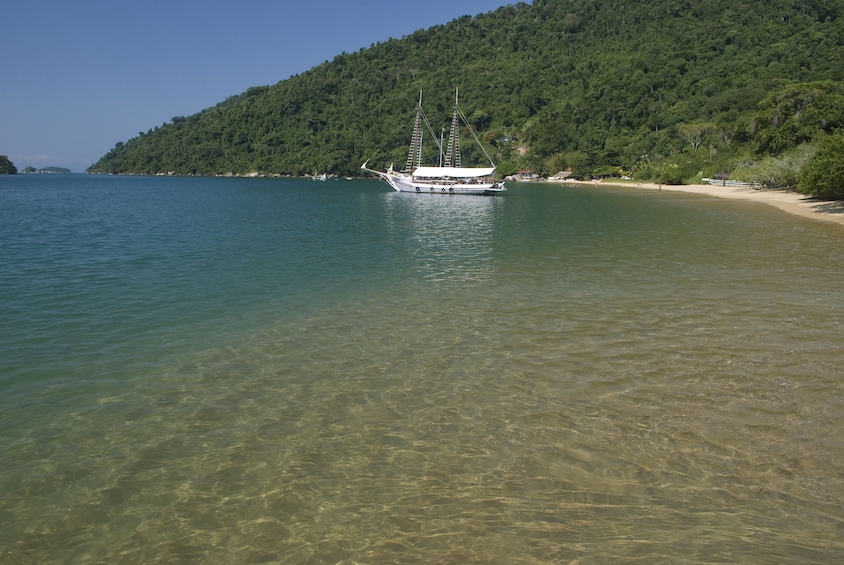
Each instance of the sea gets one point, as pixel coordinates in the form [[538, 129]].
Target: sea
[[233, 370]]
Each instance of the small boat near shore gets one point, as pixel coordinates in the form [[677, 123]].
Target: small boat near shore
[[450, 176]]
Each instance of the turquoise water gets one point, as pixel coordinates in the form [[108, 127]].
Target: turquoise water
[[275, 370]]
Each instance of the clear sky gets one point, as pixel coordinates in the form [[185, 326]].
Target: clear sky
[[80, 75]]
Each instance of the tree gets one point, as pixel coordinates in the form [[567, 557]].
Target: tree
[[695, 133], [795, 114], [823, 175], [6, 166]]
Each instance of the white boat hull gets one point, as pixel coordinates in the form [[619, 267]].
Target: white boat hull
[[406, 183]]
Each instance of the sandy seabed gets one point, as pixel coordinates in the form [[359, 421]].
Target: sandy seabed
[[791, 202]]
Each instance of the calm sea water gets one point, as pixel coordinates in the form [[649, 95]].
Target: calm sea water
[[284, 371]]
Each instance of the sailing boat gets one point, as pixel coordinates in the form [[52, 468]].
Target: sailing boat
[[450, 176]]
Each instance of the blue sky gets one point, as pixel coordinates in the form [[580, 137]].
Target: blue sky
[[79, 76]]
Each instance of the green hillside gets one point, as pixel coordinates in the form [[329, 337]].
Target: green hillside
[[661, 88]]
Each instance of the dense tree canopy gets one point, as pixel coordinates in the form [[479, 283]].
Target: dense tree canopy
[[796, 114], [640, 87]]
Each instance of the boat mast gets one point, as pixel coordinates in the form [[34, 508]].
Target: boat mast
[[452, 155], [442, 135], [414, 154]]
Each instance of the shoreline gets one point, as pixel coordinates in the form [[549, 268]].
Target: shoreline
[[791, 202]]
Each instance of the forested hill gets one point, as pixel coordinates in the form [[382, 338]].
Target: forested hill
[[586, 84]]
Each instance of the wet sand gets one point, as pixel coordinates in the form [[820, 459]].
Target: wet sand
[[791, 202]]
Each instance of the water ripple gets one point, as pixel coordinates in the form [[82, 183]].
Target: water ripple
[[549, 391]]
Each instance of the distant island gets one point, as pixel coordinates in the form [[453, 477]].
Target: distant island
[[8, 168], [31, 169], [53, 170]]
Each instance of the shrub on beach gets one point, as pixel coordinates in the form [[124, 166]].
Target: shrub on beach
[[823, 174], [670, 173], [780, 171]]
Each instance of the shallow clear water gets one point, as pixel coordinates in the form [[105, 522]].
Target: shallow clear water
[[255, 370]]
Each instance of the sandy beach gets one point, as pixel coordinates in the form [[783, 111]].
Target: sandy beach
[[791, 202]]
